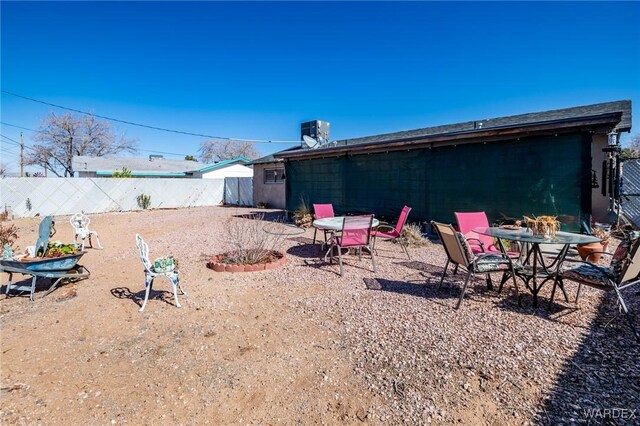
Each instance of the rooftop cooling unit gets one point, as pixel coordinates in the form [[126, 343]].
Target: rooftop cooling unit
[[318, 130]]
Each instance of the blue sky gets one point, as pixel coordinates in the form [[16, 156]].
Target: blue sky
[[257, 70]]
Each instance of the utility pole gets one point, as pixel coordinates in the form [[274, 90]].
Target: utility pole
[[21, 155]]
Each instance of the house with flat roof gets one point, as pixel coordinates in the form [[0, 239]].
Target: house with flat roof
[[540, 163], [156, 166]]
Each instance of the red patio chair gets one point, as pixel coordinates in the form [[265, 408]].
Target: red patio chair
[[321, 211], [387, 232], [479, 243], [356, 233]]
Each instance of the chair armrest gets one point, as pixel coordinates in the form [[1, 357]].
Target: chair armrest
[[584, 262], [480, 243]]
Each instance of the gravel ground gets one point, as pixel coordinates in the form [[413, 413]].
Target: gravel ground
[[300, 344]]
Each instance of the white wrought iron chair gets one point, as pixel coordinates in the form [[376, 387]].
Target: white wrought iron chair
[[80, 223], [150, 273]]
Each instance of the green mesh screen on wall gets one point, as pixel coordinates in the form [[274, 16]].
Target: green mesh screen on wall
[[532, 176]]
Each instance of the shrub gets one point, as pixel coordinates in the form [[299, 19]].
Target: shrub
[[125, 173], [8, 235], [248, 243], [413, 235], [302, 215], [144, 201]]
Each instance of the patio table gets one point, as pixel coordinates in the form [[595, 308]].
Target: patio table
[[332, 225], [532, 265]]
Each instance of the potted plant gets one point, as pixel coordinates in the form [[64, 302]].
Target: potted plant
[[591, 252]]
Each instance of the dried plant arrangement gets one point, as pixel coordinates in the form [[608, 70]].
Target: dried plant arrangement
[[546, 226]]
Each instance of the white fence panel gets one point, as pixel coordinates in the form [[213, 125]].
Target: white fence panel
[[63, 196], [238, 191]]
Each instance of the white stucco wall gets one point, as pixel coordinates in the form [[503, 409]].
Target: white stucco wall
[[234, 170]]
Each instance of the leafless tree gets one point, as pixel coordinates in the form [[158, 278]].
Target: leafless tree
[[633, 148], [3, 170], [221, 149], [61, 137]]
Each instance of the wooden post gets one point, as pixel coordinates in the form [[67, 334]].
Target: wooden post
[[21, 155]]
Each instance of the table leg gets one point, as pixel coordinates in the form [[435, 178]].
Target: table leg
[[534, 287]]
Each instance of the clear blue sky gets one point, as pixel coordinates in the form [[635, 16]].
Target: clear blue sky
[[257, 70]]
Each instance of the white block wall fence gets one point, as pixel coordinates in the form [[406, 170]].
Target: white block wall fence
[[27, 197]]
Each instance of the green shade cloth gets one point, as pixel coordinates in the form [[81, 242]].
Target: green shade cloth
[[508, 179]]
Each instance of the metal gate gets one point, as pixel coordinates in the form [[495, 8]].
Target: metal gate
[[238, 191]]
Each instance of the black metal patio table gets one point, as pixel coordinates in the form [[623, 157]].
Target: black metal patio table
[[533, 266]]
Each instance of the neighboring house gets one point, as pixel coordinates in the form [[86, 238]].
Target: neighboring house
[[158, 167], [269, 182], [542, 163], [235, 167]]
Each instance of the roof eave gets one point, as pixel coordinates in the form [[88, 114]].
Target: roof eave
[[469, 136]]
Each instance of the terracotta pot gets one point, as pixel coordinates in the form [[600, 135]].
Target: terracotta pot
[[585, 250]]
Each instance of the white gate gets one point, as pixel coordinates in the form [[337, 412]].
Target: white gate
[[238, 191]]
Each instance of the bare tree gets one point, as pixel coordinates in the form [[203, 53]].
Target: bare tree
[[61, 137], [3, 170], [633, 148], [220, 149]]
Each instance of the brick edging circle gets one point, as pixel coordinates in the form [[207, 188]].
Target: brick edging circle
[[216, 266]]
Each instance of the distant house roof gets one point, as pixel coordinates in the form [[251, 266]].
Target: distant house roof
[[631, 191], [138, 166], [222, 164], [272, 158], [610, 114]]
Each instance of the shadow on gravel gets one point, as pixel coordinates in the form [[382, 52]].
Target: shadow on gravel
[[600, 384], [43, 284], [267, 216], [137, 298], [302, 240], [306, 251], [420, 289]]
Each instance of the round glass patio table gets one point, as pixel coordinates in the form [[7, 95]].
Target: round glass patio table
[[533, 266], [335, 223]]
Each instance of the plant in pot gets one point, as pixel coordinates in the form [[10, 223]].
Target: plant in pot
[[591, 252]]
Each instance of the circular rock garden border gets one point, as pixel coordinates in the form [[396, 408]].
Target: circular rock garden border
[[216, 265]]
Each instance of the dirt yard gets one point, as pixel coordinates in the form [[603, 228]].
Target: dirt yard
[[299, 344]]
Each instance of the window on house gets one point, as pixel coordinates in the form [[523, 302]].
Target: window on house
[[274, 175]]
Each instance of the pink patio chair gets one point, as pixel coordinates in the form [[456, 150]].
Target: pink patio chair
[[479, 243], [387, 232], [321, 211], [356, 233]]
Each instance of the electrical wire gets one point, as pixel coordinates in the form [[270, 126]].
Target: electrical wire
[[117, 120]]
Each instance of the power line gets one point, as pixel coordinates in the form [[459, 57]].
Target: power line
[[12, 140], [19, 127], [201, 135]]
